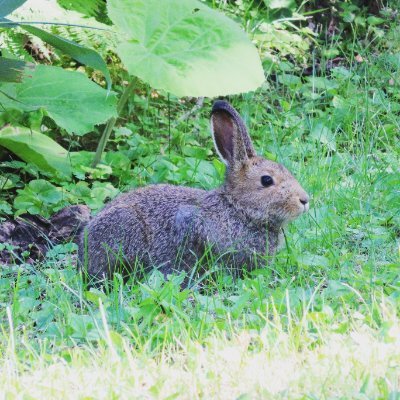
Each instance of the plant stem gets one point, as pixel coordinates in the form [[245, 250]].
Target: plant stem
[[111, 122]]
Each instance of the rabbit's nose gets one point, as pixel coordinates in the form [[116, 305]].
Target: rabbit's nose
[[304, 199]]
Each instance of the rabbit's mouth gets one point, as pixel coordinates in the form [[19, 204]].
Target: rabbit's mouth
[[297, 212], [306, 208], [303, 209]]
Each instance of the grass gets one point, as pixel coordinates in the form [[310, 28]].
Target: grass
[[320, 322], [362, 364]]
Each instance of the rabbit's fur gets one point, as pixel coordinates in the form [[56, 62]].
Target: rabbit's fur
[[170, 227]]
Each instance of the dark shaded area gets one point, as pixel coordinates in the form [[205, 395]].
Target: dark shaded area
[[329, 8], [32, 235], [317, 69]]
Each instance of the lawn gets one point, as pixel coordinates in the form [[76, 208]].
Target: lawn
[[321, 321]]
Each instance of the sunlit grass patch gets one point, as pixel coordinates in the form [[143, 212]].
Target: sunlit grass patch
[[274, 364]]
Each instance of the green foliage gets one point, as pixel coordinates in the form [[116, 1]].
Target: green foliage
[[73, 101], [35, 90], [185, 48], [42, 197], [38, 149], [38, 197], [210, 61]]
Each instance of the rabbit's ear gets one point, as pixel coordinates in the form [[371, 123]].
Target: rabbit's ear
[[230, 135]]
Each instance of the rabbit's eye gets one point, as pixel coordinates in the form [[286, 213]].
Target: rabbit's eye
[[266, 180]]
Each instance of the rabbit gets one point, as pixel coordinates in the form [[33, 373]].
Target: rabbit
[[170, 227]]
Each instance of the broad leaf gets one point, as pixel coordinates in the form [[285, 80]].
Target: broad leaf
[[82, 54], [184, 47], [36, 148], [8, 6], [13, 70], [90, 8], [70, 98]]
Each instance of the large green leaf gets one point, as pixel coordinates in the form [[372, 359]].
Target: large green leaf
[[36, 148], [80, 53], [13, 70], [8, 6], [70, 98], [184, 47]]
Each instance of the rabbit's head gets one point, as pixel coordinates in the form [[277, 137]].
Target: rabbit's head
[[265, 190]]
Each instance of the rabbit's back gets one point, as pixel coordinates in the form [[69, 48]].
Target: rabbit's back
[[139, 226]]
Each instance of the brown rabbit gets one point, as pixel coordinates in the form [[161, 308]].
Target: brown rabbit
[[170, 227]]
